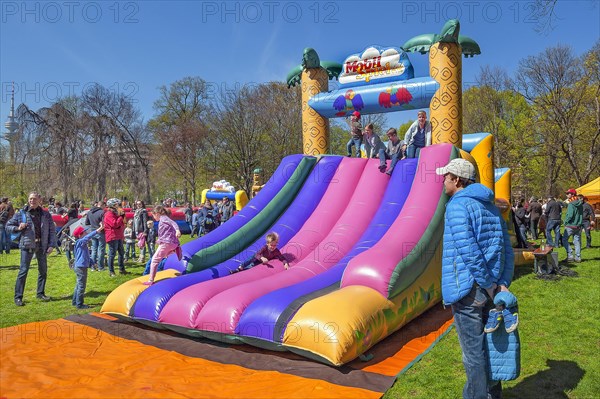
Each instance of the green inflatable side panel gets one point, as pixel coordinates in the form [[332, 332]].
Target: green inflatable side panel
[[414, 264]]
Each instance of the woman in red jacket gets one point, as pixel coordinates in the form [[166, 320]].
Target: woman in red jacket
[[114, 228]]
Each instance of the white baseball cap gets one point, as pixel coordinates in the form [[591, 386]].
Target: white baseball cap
[[459, 167]]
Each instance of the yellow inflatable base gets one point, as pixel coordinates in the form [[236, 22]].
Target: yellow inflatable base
[[340, 326], [120, 301]]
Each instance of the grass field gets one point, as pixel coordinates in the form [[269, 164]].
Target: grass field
[[559, 328]]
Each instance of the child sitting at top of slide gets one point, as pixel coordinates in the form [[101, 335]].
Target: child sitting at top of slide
[[264, 255]]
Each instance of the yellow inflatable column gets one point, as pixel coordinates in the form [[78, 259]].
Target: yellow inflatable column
[[445, 66], [503, 184], [483, 153], [315, 128]]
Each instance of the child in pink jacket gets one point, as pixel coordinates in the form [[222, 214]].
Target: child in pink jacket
[[168, 239]]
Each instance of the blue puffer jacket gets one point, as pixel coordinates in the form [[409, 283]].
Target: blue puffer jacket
[[476, 244], [27, 241]]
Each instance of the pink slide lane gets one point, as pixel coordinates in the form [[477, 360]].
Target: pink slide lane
[[222, 313], [184, 307], [375, 268]]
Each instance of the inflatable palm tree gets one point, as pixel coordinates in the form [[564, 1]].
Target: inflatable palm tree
[[314, 76], [445, 66]]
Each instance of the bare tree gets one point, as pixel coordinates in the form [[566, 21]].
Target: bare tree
[[119, 135], [180, 129], [240, 136], [556, 82], [185, 144]]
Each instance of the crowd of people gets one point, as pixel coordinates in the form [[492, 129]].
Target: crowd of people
[[538, 217], [34, 229]]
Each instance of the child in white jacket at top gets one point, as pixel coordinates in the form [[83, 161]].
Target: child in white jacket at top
[[168, 239]]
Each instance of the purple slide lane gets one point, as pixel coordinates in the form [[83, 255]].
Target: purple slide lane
[[281, 175], [151, 301], [185, 305], [376, 267], [267, 317], [221, 314]]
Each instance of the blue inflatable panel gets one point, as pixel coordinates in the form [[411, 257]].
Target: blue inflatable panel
[[219, 195], [377, 98]]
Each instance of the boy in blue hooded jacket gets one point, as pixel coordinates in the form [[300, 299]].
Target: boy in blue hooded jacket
[[83, 261]]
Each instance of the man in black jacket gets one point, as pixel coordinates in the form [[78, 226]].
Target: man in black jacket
[[38, 236], [93, 219], [553, 220]]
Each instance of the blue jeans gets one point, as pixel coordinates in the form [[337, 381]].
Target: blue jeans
[[383, 156], [114, 247], [553, 225], [42, 262], [81, 273], [470, 316], [576, 233], [4, 240], [413, 152], [357, 143], [130, 250], [250, 263], [150, 250], [98, 250], [523, 231]]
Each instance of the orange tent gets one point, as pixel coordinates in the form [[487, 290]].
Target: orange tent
[[591, 190]]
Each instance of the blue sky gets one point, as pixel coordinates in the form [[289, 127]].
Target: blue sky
[[53, 49]]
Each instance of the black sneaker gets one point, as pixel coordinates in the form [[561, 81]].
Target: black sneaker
[[123, 272], [43, 298], [112, 274], [19, 302], [83, 307]]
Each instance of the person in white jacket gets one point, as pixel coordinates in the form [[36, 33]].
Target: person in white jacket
[[417, 136]]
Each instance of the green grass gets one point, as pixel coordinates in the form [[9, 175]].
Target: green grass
[[59, 286], [559, 327]]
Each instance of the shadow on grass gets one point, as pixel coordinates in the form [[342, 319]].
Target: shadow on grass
[[521, 271], [8, 268], [562, 376]]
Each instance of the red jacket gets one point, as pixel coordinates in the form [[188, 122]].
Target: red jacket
[[114, 226]]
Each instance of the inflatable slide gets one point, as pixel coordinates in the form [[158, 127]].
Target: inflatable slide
[[364, 251]]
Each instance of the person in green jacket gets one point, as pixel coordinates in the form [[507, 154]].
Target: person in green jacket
[[573, 223]]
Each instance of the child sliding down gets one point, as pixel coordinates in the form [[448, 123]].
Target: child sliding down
[[264, 255]]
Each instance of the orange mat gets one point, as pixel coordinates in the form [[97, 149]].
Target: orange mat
[[95, 356]]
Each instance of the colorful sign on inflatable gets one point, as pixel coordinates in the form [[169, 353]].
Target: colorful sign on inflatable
[[376, 65]]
